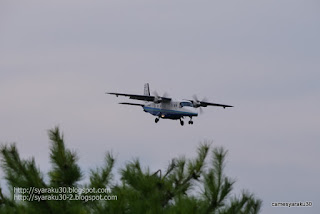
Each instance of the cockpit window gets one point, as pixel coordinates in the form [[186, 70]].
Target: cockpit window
[[182, 104]]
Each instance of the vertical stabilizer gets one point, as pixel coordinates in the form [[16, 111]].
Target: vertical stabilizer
[[146, 89]]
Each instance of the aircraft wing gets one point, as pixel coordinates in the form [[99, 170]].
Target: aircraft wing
[[143, 97], [132, 104], [205, 104]]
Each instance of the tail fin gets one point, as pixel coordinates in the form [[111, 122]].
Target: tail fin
[[146, 89]]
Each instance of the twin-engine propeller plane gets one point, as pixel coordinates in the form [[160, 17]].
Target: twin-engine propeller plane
[[166, 108]]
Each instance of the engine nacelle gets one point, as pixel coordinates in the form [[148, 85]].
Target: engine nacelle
[[157, 100]]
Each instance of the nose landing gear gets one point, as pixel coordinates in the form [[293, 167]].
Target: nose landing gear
[[156, 120], [181, 122]]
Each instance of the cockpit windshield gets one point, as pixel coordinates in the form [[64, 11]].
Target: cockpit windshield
[[182, 104]]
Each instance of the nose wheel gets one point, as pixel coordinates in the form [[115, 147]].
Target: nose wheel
[[181, 122], [156, 120]]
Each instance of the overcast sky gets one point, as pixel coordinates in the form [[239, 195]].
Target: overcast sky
[[58, 59]]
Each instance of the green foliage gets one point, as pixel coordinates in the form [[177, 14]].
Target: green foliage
[[65, 171], [186, 186]]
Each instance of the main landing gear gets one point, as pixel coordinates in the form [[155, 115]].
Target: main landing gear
[[182, 123]]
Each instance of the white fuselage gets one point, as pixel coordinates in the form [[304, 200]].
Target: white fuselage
[[171, 110]]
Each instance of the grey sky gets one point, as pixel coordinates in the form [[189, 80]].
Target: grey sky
[[57, 60]]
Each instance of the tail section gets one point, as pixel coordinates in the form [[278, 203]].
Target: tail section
[[146, 89]]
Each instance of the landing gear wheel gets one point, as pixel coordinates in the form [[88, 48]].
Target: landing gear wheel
[[181, 122], [191, 122], [156, 120]]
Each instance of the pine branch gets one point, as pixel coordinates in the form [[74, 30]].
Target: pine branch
[[217, 187], [100, 177], [20, 173], [66, 171]]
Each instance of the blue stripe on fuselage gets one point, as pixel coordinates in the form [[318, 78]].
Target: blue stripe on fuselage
[[168, 112]]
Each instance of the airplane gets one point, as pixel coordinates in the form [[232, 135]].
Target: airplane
[[166, 108]]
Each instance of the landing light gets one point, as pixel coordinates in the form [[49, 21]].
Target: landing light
[[162, 115]]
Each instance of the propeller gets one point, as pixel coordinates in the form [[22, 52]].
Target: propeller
[[197, 103], [165, 94], [157, 98]]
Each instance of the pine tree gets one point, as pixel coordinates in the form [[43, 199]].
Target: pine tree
[[186, 186]]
